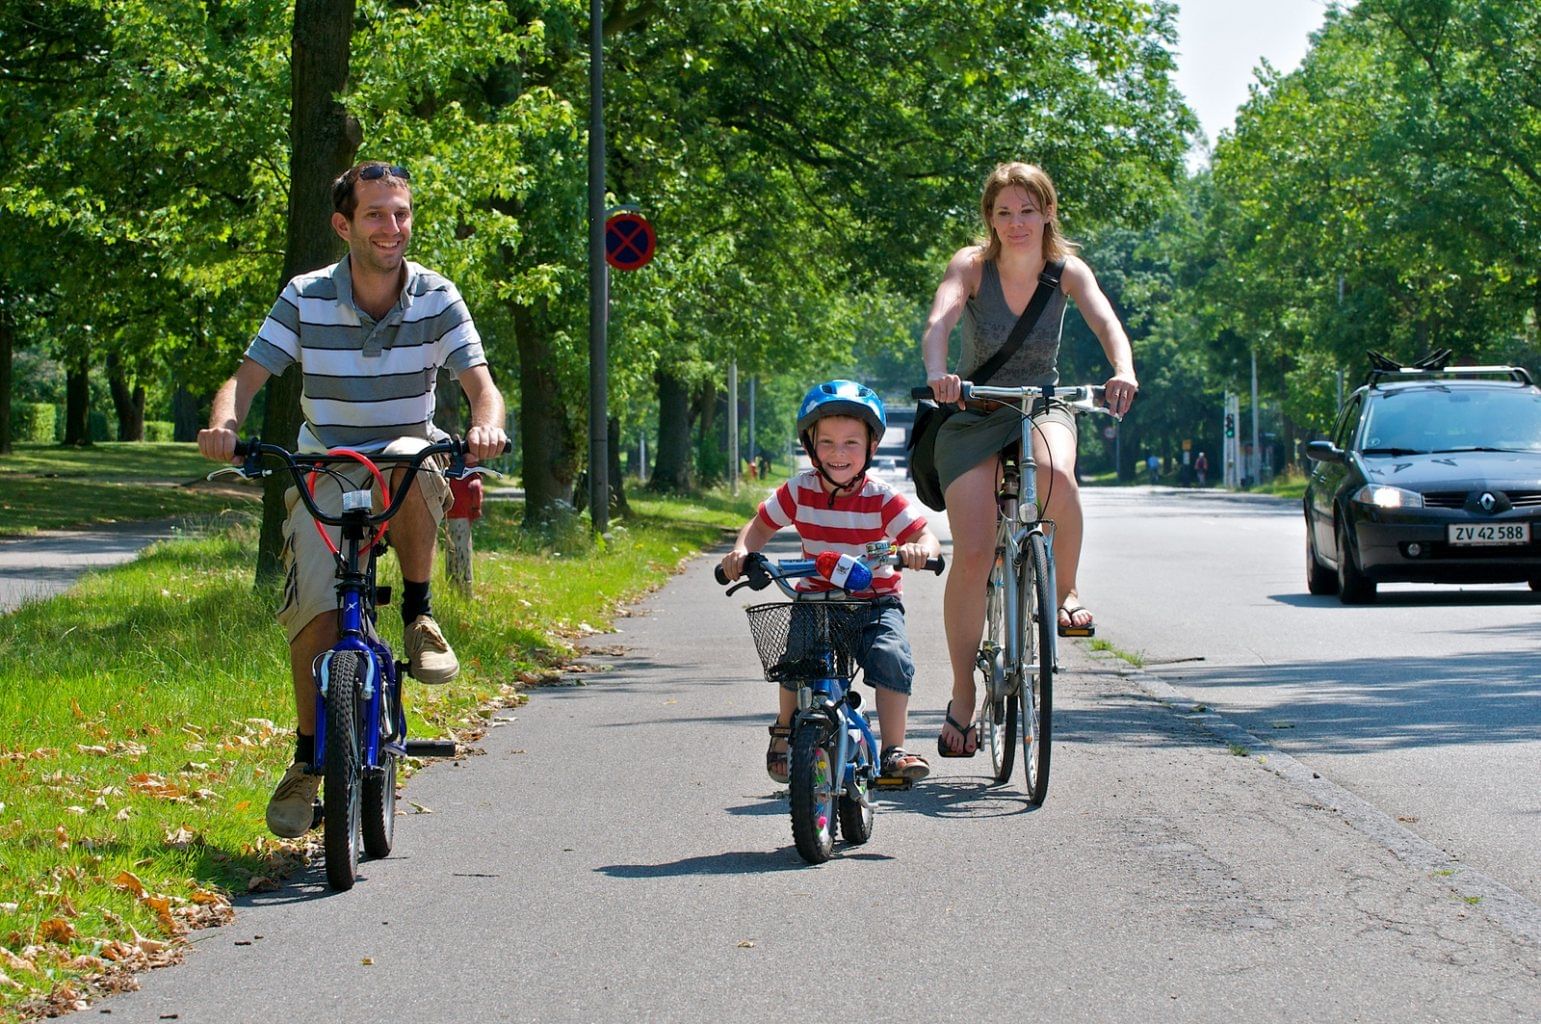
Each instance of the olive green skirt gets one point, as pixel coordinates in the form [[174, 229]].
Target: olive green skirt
[[969, 437]]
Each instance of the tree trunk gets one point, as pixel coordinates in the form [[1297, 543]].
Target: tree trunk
[[672, 461], [547, 447], [7, 343], [186, 414], [447, 405], [127, 402], [77, 403], [711, 451], [323, 138], [618, 505]]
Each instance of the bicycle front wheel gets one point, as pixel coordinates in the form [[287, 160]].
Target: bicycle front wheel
[[813, 788], [1036, 625], [340, 793], [997, 656]]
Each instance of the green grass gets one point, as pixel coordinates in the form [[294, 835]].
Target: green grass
[[1136, 660], [49, 487], [146, 714]]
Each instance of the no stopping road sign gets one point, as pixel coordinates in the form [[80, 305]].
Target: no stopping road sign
[[629, 241]]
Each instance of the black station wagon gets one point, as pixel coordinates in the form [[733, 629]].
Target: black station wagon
[[1431, 476]]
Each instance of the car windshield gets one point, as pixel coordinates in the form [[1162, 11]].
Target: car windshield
[[1453, 419]]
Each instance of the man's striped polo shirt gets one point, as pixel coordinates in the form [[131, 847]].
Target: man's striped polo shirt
[[367, 383]]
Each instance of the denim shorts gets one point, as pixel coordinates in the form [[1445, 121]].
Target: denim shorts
[[883, 651]]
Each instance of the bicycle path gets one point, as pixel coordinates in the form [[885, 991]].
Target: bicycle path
[[618, 854], [48, 562]]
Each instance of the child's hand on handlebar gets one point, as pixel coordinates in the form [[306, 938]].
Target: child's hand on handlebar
[[915, 556], [733, 563]]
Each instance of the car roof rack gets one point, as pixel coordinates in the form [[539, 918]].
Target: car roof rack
[[1433, 366]]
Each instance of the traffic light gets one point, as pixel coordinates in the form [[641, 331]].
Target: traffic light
[[1230, 425]]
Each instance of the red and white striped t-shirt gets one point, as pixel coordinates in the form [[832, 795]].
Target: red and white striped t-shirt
[[874, 512]]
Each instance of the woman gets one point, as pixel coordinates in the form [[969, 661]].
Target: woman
[[988, 285]]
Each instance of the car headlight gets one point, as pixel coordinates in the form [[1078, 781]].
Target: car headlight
[[1382, 496]]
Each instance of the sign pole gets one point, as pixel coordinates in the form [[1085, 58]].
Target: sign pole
[[599, 272]]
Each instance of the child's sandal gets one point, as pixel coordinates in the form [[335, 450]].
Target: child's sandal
[[778, 762], [899, 763]]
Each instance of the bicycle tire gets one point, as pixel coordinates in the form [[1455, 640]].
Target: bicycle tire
[[1036, 692], [341, 789], [999, 721], [812, 791], [379, 795], [856, 816]]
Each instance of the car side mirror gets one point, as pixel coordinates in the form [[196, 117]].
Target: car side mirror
[[1324, 451]]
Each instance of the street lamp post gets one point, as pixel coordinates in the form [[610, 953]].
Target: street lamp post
[[599, 283]]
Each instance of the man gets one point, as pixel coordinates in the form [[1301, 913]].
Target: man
[[368, 335]]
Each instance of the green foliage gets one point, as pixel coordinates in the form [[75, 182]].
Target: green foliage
[[33, 422]]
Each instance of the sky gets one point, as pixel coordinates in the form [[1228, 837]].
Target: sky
[[1222, 42]]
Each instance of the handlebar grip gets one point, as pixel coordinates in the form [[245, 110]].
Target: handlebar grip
[[937, 564], [722, 577], [921, 392], [243, 448]]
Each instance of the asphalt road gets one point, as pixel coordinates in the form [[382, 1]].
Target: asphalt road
[[1425, 704], [618, 854], [50, 561]]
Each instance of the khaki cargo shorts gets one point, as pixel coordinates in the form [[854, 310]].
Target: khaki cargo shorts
[[310, 572]]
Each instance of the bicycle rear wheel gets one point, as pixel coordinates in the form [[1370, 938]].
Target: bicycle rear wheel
[[999, 721], [856, 816], [379, 796], [813, 787], [340, 793], [1036, 692]]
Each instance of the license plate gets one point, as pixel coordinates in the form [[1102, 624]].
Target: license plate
[[1474, 534]]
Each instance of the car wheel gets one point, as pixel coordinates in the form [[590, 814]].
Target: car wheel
[[1354, 587], [1320, 580]]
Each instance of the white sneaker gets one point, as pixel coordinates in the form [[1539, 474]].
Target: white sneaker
[[290, 807], [428, 654]]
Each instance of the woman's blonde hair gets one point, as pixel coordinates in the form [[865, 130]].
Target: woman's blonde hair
[[1036, 182]]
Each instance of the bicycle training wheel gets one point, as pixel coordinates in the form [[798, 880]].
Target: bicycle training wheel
[[379, 789], [1036, 694], [340, 792], [812, 790], [856, 815], [999, 721]]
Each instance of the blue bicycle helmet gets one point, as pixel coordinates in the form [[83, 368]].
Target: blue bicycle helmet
[[842, 398]]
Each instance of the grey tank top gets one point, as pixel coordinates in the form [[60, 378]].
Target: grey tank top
[[987, 321]]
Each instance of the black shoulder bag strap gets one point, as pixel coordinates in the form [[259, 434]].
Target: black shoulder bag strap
[[1048, 281]]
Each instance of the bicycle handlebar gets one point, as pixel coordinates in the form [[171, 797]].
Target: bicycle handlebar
[[302, 463], [1081, 397], [759, 572]]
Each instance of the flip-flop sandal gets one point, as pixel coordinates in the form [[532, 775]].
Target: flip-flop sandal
[[963, 750], [1069, 610], [898, 763], [778, 763]]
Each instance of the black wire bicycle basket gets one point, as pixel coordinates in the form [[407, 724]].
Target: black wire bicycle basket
[[790, 637]]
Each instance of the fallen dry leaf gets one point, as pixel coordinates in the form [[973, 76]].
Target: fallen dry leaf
[[129, 882], [56, 929]]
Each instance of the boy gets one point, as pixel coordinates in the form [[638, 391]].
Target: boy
[[836, 506]]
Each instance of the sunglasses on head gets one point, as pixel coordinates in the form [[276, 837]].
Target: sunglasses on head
[[374, 171]]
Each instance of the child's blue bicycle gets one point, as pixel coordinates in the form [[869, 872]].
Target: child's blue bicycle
[[361, 725], [813, 641]]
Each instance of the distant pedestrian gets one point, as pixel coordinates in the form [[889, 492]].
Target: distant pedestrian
[[1201, 467], [1153, 466]]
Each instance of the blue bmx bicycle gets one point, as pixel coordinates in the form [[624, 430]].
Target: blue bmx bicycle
[[361, 725], [833, 763]]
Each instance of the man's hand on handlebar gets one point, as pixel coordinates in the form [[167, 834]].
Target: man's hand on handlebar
[[483, 444], [218, 443]]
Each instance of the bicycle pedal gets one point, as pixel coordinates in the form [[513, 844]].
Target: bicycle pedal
[[892, 782], [317, 814], [1081, 631]]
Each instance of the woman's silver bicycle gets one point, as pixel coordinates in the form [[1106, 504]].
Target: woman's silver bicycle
[[1018, 654]]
